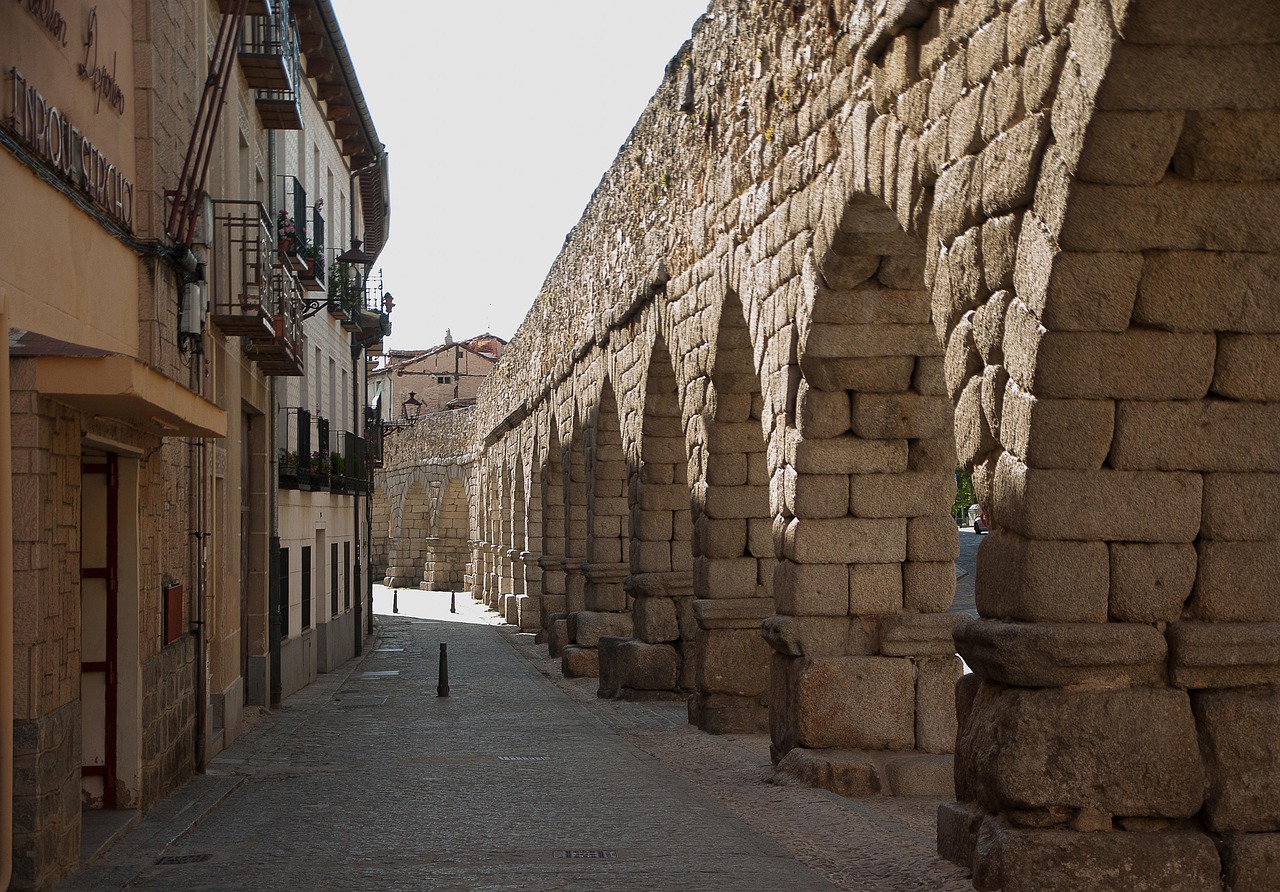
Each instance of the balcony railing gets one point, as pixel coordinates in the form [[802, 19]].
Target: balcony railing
[[242, 300], [320, 469], [373, 433], [293, 438], [346, 297], [312, 274], [283, 353], [313, 458], [349, 470], [269, 58]]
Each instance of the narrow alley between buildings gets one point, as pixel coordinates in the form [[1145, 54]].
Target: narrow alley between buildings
[[520, 779]]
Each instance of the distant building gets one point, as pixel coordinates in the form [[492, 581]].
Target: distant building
[[419, 382]]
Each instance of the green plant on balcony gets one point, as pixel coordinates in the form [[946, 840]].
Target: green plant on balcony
[[337, 465], [314, 257], [344, 288], [319, 466]]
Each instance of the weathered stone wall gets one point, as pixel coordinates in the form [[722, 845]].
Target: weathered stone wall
[[422, 521], [46, 582], [1031, 235]]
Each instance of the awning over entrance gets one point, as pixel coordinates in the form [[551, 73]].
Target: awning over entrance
[[115, 386]]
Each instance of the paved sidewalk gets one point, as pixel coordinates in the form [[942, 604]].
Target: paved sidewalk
[[520, 780]]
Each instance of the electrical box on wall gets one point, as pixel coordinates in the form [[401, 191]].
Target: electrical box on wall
[[172, 612]]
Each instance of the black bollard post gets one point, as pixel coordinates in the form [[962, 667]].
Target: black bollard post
[[395, 600], [453, 602], [442, 689]]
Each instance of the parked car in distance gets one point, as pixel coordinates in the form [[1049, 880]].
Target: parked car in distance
[[978, 519]]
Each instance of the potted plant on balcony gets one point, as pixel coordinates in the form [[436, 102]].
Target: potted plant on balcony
[[312, 275], [319, 467], [286, 234], [288, 462], [339, 285], [337, 472]]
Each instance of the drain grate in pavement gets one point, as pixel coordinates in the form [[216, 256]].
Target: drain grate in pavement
[[381, 673], [359, 702], [183, 859], [588, 854], [524, 758]]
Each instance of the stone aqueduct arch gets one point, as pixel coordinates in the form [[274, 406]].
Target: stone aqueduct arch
[[422, 515], [849, 244]]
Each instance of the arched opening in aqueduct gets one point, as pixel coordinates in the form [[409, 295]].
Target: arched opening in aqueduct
[[606, 605], [407, 546], [863, 658], [660, 582], [554, 530], [447, 549], [733, 538]]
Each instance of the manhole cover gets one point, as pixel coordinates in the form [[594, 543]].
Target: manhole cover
[[588, 854], [183, 859], [524, 758]]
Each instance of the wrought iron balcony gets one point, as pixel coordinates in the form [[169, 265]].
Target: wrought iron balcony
[[346, 296], [283, 352], [349, 469], [242, 299], [293, 436], [312, 275], [321, 471], [373, 430], [269, 58]]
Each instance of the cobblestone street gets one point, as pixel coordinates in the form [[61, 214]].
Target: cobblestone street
[[519, 780]]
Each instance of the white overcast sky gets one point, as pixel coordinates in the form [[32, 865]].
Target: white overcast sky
[[500, 119]]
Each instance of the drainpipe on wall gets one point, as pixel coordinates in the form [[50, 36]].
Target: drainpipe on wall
[[198, 465], [364, 619], [357, 417], [6, 611], [275, 686]]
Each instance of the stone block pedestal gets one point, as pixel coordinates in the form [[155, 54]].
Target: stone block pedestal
[[871, 773]]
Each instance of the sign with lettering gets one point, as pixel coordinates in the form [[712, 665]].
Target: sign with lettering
[[60, 145], [46, 12], [95, 71]]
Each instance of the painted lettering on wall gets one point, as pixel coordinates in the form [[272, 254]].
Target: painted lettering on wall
[[96, 73], [64, 149], [46, 12]]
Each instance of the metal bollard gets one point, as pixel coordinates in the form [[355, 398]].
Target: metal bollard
[[442, 689], [395, 600], [453, 602]]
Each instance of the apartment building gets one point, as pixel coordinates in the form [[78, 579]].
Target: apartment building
[[191, 195], [409, 383]]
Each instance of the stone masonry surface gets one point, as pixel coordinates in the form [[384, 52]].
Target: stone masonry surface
[[500, 786], [848, 246]]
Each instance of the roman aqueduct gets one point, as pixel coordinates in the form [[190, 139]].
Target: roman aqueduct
[[846, 245]]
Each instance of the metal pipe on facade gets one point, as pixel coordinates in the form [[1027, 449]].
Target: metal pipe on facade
[[275, 687], [6, 615], [357, 421], [197, 468]]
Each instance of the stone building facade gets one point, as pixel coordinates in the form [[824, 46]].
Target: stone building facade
[[848, 245], [148, 314], [410, 383]]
